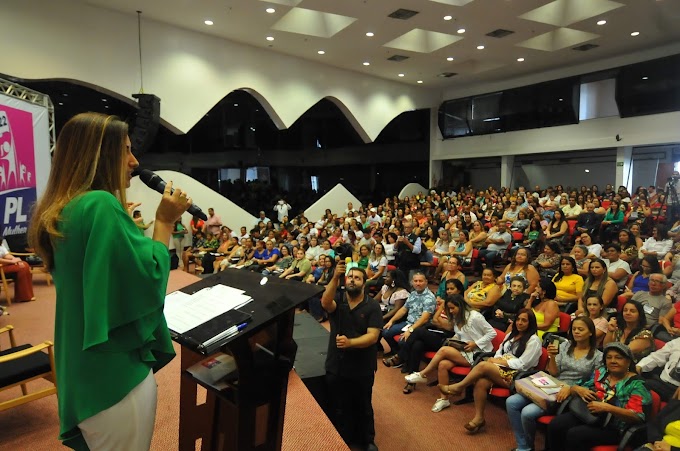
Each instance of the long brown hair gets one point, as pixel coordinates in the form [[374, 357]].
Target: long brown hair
[[89, 155]]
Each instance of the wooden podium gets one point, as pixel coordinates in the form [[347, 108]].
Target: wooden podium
[[248, 415]]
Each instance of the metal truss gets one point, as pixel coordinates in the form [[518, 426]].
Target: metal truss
[[12, 89]]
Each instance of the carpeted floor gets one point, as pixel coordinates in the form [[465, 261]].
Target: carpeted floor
[[403, 422]]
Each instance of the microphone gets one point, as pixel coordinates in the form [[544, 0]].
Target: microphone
[[156, 183]]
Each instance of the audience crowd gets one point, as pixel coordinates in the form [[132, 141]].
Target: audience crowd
[[581, 283]]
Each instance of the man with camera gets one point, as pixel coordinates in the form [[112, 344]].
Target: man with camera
[[673, 198], [351, 362]]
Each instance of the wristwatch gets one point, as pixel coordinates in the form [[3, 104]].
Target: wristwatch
[[410, 330]]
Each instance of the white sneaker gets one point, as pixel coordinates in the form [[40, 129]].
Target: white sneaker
[[440, 405], [415, 378]]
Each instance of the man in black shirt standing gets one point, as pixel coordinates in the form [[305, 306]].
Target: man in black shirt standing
[[351, 362]]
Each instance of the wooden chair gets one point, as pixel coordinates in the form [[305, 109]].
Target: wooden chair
[[25, 363], [4, 284], [18, 246]]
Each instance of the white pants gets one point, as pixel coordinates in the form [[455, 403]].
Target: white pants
[[127, 425], [178, 250]]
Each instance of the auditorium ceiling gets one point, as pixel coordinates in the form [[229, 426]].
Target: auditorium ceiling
[[434, 42]]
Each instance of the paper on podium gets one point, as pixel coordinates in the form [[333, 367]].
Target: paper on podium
[[184, 312]]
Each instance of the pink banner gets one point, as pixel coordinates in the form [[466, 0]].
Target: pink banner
[[17, 169]]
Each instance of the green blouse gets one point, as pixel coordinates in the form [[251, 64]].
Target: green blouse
[[109, 327]]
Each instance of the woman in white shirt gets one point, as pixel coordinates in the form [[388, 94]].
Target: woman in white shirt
[[390, 244], [470, 327], [658, 244], [520, 351], [377, 265], [313, 251]]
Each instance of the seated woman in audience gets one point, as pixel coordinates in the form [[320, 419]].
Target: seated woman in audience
[[478, 235], [299, 269], [520, 351], [557, 228], [227, 243], [377, 265], [535, 236], [463, 248], [579, 253], [23, 290], [629, 328], [671, 320], [313, 250], [470, 327], [569, 285], [393, 294], [636, 232], [598, 284], [629, 249], [599, 210], [520, 265], [571, 362], [283, 262], [548, 262], [547, 312], [658, 207], [639, 281], [390, 244], [317, 271], [483, 293], [611, 223], [521, 224], [513, 300], [595, 311], [452, 271], [614, 388], [430, 337], [658, 244], [594, 249]]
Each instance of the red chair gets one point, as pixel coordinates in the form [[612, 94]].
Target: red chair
[[391, 268], [572, 226], [565, 322], [659, 343], [503, 393], [620, 302], [517, 237], [469, 268]]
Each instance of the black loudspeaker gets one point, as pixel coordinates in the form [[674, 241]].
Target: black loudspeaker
[[146, 122]]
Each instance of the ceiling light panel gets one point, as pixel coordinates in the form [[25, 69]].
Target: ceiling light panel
[[558, 39], [453, 2], [422, 41], [313, 23], [284, 2], [562, 13]]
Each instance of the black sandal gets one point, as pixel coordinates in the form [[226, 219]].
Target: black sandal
[[408, 389], [393, 362]]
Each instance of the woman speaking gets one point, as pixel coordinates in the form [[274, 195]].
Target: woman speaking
[[109, 337]]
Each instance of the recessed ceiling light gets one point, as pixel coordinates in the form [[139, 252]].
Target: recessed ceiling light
[[635, 33], [480, 47], [270, 38], [561, 100], [236, 104], [420, 82], [270, 10], [461, 30], [106, 106], [450, 58], [587, 170], [645, 78], [208, 22], [65, 94], [521, 60], [370, 34], [448, 17], [321, 52], [104, 100], [61, 103], [601, 22], [401, 75], [366, 63]]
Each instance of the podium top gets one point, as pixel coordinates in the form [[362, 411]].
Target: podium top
[[271, 295]]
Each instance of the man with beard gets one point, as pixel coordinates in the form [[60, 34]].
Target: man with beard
[[351, 361]]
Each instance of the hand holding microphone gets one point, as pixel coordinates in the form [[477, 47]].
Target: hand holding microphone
[[172, 205], [156, 183]]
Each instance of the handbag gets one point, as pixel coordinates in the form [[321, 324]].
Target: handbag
[[541, 389], [455, 343], [579, 408]]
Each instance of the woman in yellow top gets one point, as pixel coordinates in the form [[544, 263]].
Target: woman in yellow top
[[569, 284], [542, 302], [484, 293]]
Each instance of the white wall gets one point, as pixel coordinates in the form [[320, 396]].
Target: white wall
[[231, 214], [412, 189], [569, 174], [189, 71], [336, 199]]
